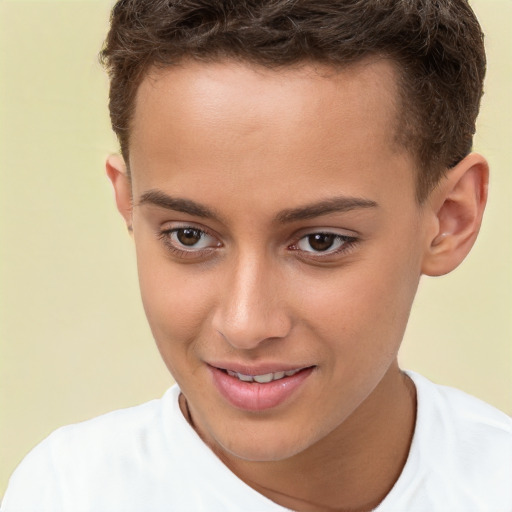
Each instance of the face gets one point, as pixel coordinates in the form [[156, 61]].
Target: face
[[279, 244]]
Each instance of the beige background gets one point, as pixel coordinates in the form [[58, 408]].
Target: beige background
[[73, 338]]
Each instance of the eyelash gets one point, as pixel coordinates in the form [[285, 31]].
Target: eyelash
[[166, 237], [347, 244]]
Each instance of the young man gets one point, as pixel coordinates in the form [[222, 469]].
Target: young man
[[289, 171]]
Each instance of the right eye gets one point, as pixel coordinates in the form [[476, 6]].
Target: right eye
[[191, 238], [188, 241]]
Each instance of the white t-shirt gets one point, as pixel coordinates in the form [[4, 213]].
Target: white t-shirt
[[148, 458]]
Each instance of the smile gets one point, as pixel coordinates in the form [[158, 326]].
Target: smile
[[259, 390], [265, 378]]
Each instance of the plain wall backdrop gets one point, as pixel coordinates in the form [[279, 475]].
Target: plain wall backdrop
[[73, 337]]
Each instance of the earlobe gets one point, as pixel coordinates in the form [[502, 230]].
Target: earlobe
[[117, 173], [458, 205]]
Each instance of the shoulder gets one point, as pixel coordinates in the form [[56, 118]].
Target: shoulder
[[142, 458], [112, 433], [455, 410], [77, 458], [462, 447]]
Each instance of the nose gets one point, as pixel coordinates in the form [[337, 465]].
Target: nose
[[252, 307]]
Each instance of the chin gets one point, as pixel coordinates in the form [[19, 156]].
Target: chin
[[274, 444], [260, 451]]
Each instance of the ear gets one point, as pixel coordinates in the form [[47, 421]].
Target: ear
[[457, 206], [118, 175]]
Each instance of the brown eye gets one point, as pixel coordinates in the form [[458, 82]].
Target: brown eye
[[189, 239], [321, 241], [324, 243], [188, 236]]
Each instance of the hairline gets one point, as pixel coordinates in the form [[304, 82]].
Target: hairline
[[402, 138]]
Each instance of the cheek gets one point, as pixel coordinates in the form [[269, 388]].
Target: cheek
[[361, 311], [175, 300]]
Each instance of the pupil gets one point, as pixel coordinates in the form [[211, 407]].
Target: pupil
[[321, 241], [188, 236]]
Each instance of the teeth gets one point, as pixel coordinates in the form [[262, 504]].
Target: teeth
[[262, 379]]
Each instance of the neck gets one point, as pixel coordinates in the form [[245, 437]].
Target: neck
[[351, 469]]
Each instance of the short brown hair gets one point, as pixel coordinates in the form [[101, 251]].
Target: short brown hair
[[437, 45]]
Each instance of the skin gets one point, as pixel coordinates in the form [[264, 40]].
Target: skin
[[252, 146]]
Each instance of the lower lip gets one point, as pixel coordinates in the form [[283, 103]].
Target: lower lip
[[253, 396]]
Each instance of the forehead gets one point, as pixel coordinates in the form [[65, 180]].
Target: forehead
[[235, 122], [207, 94]]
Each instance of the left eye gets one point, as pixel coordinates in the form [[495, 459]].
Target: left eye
[[322, 242], [191, 239]]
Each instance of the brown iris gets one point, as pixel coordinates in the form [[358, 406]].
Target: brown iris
[[321, 241], [188, 236]]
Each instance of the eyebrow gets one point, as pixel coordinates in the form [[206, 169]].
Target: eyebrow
[[332, 205], [177, 204], [339, 204]]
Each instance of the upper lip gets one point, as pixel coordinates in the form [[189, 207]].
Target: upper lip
[[259, 369]]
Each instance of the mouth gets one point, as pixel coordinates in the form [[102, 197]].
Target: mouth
[[264, 378], [259, 389]]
